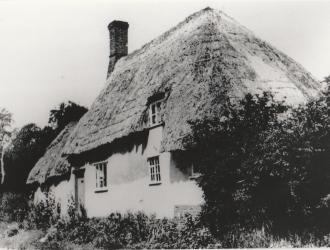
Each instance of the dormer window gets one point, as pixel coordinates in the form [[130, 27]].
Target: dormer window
[[154, 113]]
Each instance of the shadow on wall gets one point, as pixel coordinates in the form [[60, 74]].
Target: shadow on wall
[[103, 152]]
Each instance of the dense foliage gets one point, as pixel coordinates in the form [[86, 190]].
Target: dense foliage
[[31, 142], [135, 231], [25, 150], [13, 207], [5, 124], [264, 165], [64, 114]]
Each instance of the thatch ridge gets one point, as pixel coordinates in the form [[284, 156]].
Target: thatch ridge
[[53, 162], [203, 58]]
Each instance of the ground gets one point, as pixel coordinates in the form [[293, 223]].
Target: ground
[[30, 239]]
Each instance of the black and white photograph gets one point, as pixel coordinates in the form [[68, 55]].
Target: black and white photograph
[[164, 124]]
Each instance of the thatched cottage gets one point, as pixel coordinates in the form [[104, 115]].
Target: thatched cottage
[[126, 152]]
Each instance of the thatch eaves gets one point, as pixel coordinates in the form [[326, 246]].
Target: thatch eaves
[[53, 163], [196, 63]]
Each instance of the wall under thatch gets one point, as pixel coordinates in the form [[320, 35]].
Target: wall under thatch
[[196, 63], [53, 163]]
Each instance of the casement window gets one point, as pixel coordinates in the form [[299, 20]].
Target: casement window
[[154, 113], [154, 170], [194, 174], [101, 175]]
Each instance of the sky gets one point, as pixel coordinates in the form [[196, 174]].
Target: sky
[[55, 51]]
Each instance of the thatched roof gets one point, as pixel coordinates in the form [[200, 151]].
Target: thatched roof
[[53, 163], [206, 56]]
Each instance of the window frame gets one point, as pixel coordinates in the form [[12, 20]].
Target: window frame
[[155, 174], [101, 181], [193, 173], [157, 104]]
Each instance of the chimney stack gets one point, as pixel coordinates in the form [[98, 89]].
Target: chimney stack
[[118, 42]]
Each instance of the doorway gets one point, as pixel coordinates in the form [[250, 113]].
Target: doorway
[[80, 191]]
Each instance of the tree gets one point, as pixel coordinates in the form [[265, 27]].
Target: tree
[[226, 148], [327, 79], [25, 150], [5, 123], [265, 164], [64, 114], [31, 143]]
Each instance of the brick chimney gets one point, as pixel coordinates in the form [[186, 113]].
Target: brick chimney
[[118, 42]]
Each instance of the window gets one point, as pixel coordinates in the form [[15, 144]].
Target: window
[[101, 175], [154, 167], [193, 173], [154, 113]]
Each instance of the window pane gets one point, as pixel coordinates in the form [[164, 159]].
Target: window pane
[[96, 176], [105, 175], [101, 174], [158, 107], [154, 111], [154, 169]]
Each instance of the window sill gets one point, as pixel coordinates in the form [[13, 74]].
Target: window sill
[[194, 177], [156, 125], [100, 190], [155, 184]]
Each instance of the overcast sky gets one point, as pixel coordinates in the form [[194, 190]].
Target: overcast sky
[[55, 51]]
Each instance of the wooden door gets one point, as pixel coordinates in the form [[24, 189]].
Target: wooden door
[[80, 191]]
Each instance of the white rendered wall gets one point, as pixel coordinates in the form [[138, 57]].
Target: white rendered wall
[[63, 193], [128, 183]]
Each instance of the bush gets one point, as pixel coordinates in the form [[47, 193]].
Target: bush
[[13, 206], [133, 230], [261, 170], [187, 232], [43, 214]]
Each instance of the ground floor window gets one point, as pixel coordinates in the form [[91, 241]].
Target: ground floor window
[[101, 174], [194, 174], [154, 169]]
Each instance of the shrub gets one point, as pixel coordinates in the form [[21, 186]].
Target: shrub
[[13, 206], [43, 214], [238, 156], [133, 230], [259, 169], [186, 232]]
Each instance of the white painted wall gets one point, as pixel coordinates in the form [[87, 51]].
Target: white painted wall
[[63, 192], [128, 183]]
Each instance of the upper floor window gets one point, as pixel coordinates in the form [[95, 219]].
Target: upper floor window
[[154, 113], [101, 175], [154, 169]]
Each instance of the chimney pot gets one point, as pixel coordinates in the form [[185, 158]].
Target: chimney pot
[[118, 42]]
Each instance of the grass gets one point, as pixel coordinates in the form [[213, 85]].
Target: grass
[[29, 239], [22, 240]]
